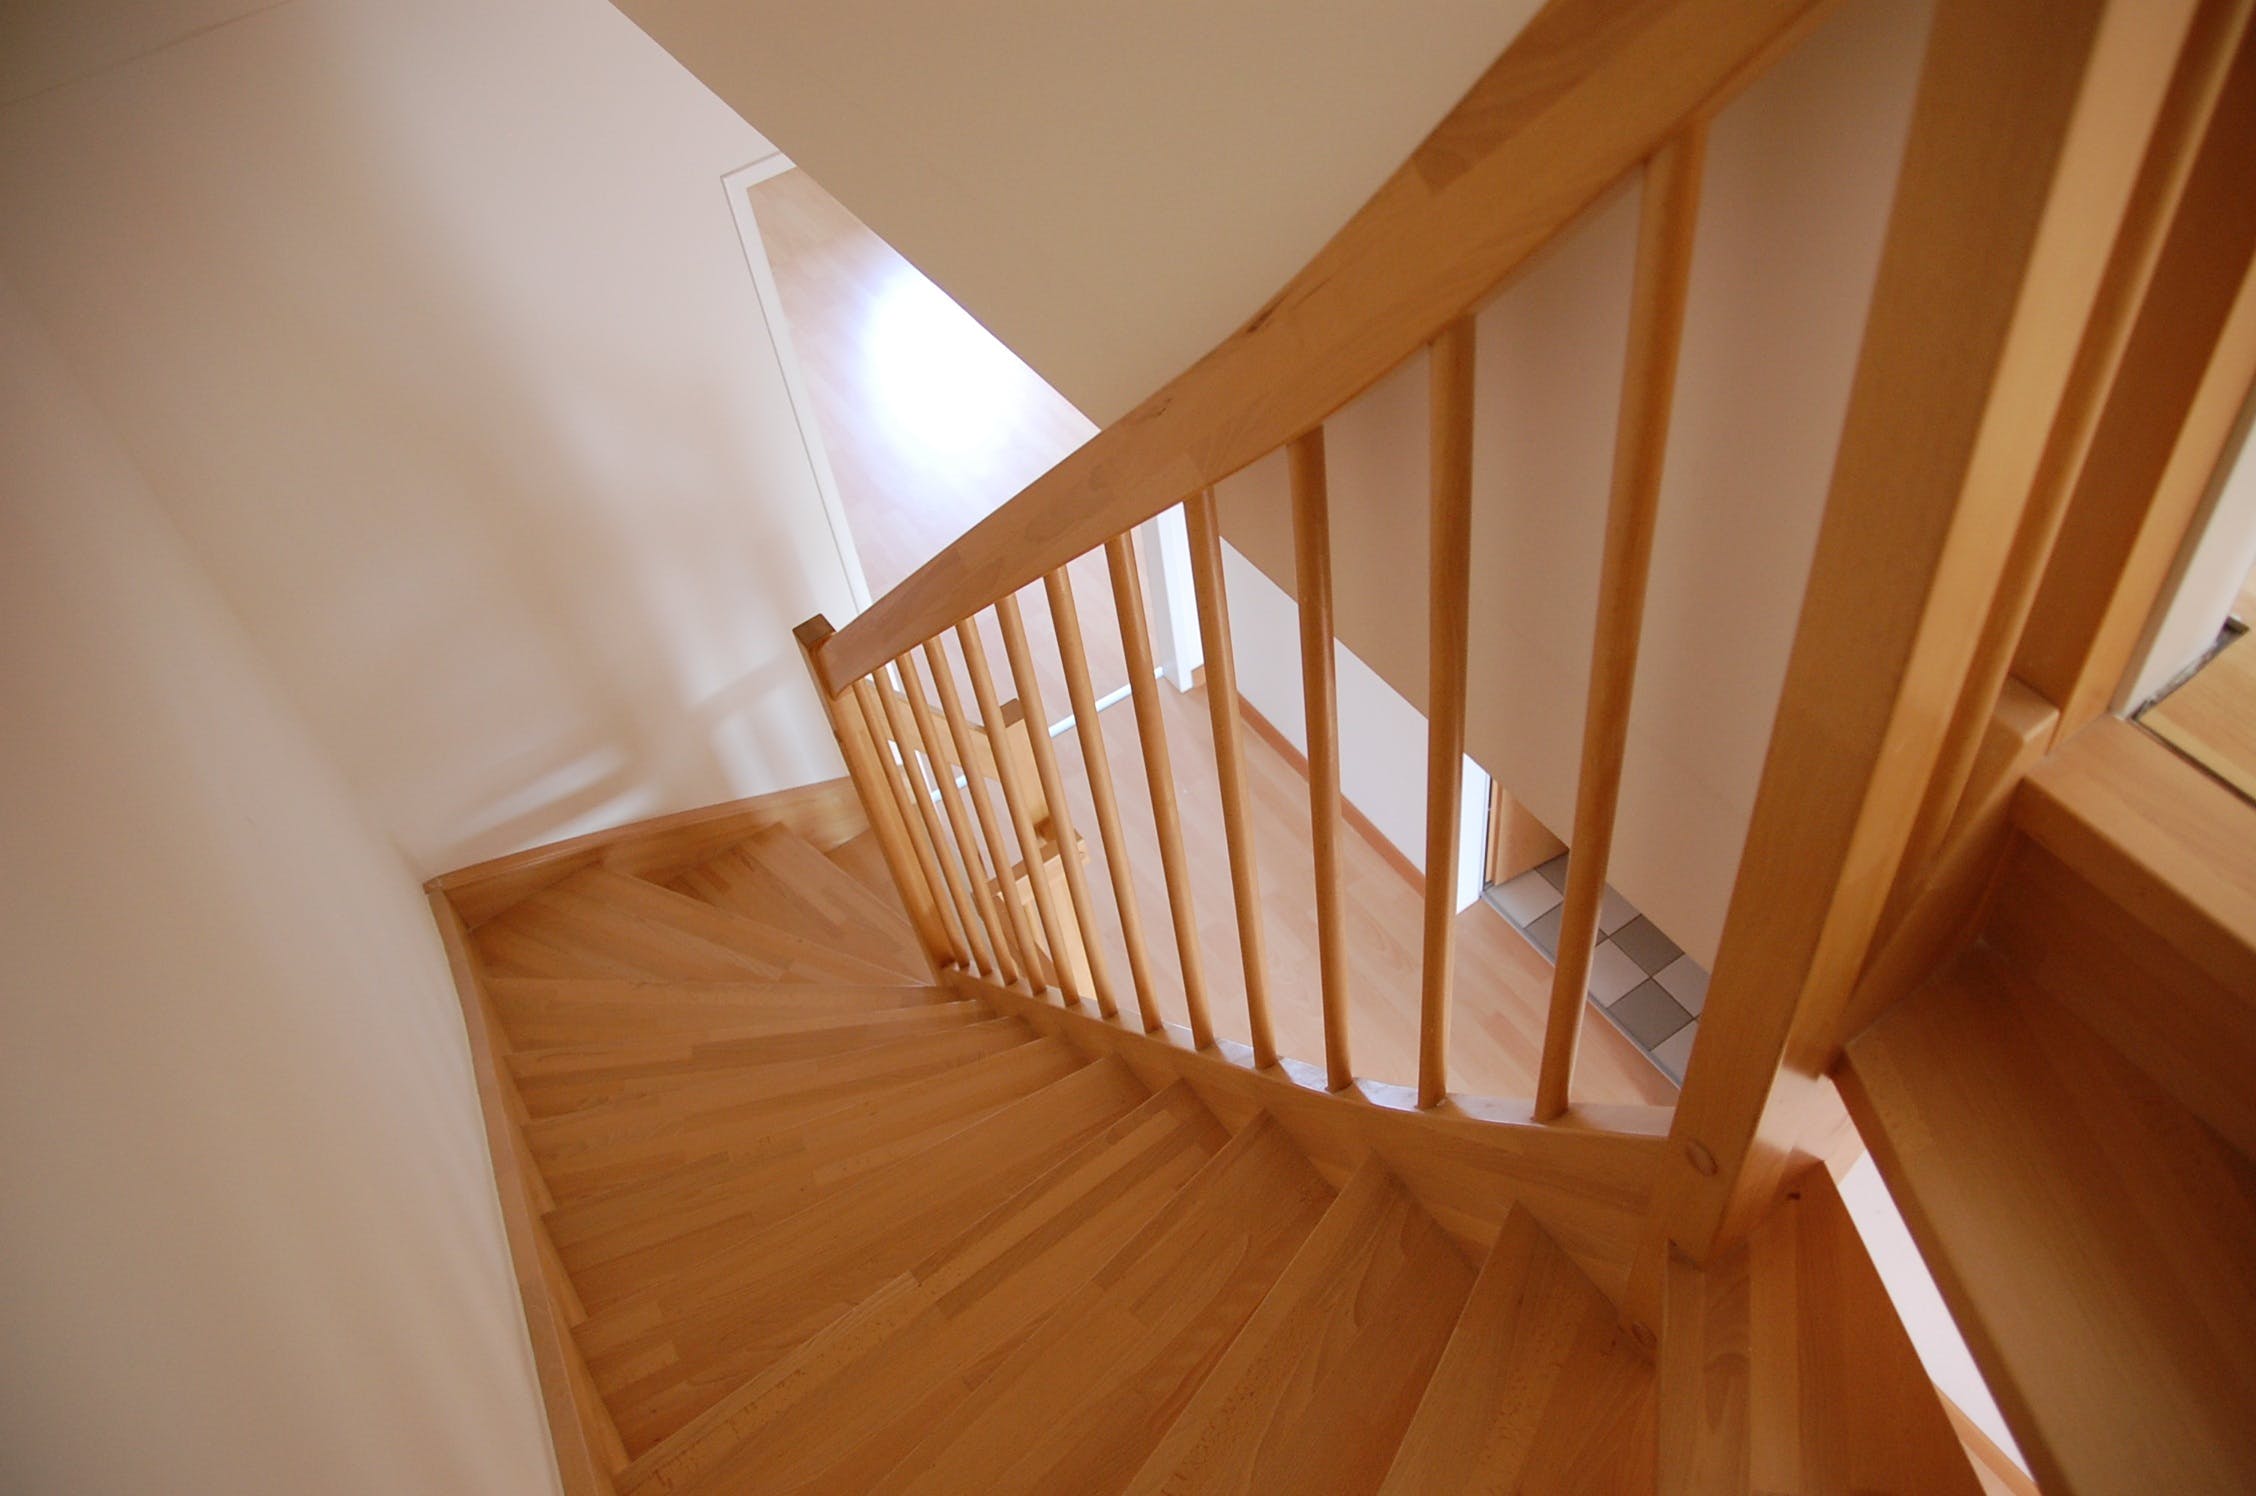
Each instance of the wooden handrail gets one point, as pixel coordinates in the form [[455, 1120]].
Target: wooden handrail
[[1656, 331], [1588, 90]]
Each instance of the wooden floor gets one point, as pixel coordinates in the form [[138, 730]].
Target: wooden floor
[[881, 346]]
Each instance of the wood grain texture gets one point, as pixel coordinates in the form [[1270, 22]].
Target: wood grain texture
[[1838, 1401], [1065, 619], [1319, 691], [2095, 1242], [983, 883], [888, 831], [1028, 967], [826, 814], [1587, 1178], [1229, 764], [1318, 1387], [778, 878], [1159, 778], [682, 1344], [1449, 571], [849, 1403], [1539, 1389], [1098, 978], [1667, 223], [952, 948], [2211, 719], [579, 1427], [1991, 262], [956, 875], [2157, 201], [1080, 1404], [1586, 91], [1018, 802], [2170, 420]]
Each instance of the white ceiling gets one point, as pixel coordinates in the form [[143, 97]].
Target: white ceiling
[[47, 43]]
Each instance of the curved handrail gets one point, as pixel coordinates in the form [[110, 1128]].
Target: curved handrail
[[1586, 92]]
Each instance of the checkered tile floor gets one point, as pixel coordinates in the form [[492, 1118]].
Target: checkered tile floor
[[1650, 990]]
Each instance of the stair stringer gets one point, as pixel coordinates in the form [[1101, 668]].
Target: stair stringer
[[1587, 1178]]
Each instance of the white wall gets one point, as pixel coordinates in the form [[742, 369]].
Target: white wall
[[1801, 170], [1382, 737], [428, 322], [249, 1229], [1111, 189]]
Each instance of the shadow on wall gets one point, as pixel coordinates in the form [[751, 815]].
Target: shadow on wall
[[429, 327]]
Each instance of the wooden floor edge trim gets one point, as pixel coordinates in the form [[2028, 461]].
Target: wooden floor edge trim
[[580, 1469], [481, 890], [1365, 827]]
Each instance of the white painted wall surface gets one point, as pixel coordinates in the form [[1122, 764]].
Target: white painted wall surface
[[1110, 189], [2220, 549], [1382, 737], [249, 1229], [1800, 175], [428, 322]]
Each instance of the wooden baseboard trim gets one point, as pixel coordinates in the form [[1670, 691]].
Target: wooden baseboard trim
[[588, 1450], [1365, 827], [825, 813]]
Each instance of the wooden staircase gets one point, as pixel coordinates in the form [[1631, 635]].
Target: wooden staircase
[[812, 1220], [838, 1153]]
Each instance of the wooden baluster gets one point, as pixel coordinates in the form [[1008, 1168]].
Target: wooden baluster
[[998, 852], [1053, 789], [1159, 773], [959, 898], [1450, 363], [1656, 326], [959, 819], [869, 695], [883, 811], [1312, 569], [1014, 800], [1229, 763], [1066, 618]]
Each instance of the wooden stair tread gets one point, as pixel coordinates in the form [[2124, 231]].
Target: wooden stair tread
[[688, 1340], [2095, 1241], [1538, 1390], [777, 1093], [578, 926], [842, 1408], [1783, 1367], [860, 859], [761, 942], [777, 876], [560, 1012], [1315, 1393], [1080, 1404], [565, 1078], [698, 1212], [800, 1151]]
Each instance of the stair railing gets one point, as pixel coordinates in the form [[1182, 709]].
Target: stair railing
[[2026, 145]]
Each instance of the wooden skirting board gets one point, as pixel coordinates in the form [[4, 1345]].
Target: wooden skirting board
[[825, 814], [1586, 1177]]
